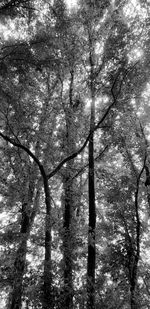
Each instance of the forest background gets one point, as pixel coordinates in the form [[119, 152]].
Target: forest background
[[75, 154]]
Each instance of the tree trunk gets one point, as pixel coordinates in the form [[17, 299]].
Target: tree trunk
[[47, 301], [133, 301], [69, 202], [91, 232], [132, 267], [133, 284], [19, 267], [68, 243], [134, 259], [92, 208], [135, 251]]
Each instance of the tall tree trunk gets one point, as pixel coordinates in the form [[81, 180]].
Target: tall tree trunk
[[69, 202], [92, 207], [133, 249], [136, 252], [133, 280], [68, 241], [19, 267], [91, 231], [132, 294], [47, 301]]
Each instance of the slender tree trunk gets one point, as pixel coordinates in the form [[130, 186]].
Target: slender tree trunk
[[47, 301], [19, 267], [91, 260], [68, 243], [92, 208], [134, 251], [91, 232], [69, 202], [133, 299], [134, 264], [134, 259], [133, 283]]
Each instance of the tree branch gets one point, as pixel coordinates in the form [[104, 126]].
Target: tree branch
[[28, 151], [75, 154], [97, 126]]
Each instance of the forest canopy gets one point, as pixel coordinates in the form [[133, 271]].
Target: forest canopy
[[74, 154]]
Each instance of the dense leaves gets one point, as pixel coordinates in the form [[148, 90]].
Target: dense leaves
[[74, 154]]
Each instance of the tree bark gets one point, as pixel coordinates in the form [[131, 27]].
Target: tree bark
[[47, 287], [68, 242], [91, 231], [19, 267], [69, 202], [135, 252], [132, 293], [92, 208]]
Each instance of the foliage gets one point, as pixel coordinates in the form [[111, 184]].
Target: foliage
[[65, 60]]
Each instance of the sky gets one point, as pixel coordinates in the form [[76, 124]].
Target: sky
[[71, 3]]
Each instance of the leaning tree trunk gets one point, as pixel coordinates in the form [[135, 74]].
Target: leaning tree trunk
[[92, 207]]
